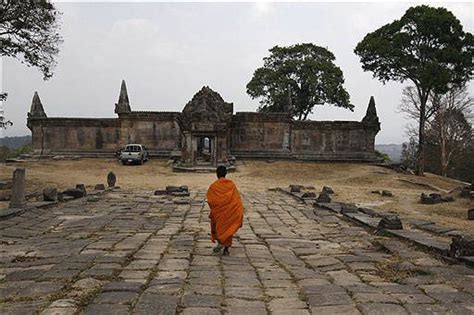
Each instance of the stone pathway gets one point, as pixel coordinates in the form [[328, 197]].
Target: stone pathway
[[133, 253]]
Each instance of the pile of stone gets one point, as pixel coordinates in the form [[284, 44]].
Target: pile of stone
[[434, 198], [175, 191]]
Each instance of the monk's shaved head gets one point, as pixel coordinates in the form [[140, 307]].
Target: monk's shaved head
[[221, 171]]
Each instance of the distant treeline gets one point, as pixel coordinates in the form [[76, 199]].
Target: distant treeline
[[14, 143]]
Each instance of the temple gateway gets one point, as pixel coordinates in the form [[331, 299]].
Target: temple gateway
[[206, 133]]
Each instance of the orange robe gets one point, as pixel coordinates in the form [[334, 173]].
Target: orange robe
[[227, 211]]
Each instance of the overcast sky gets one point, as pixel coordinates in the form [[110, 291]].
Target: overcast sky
[[167, 51]]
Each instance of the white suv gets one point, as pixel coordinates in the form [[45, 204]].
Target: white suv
[[133, 153]]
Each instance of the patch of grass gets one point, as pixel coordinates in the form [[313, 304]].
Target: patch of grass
[[393, 271]]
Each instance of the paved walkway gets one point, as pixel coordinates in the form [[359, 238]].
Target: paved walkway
[[135, 253]]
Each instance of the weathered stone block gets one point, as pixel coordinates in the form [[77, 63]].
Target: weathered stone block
[[387, 193], [17, 199], [111, 179], [99, 187], [74, 192], [50, 194], [82, 187], [390, 223], [295, 188], [309, 195], [323, 198], [328, 190], [160, 192], [462, 246]]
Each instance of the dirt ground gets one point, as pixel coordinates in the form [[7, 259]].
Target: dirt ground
[[351, 182]]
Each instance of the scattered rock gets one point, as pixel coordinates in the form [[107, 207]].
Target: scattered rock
[[328, 190], [111, 179], [295, 188], [323, 198], [376, 192], [82, 187], [387, 193], [309, 195], [50, 194], [74, 192], [470, 214], [462, 246], [391, 222], [99, 187], [434, 199]]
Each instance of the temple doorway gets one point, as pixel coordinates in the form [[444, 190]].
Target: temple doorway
[[205, 153]]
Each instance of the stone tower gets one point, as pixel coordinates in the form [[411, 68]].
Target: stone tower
[[371, 119], [123, 105], [36, 109]]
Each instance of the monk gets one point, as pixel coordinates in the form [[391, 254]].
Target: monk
[[227, 211]]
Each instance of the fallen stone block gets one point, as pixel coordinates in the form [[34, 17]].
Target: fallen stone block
[[323, 198], [308, 195], [6, 185], [5, 195], [50, 194], [82, 187], [92, 199], [171, 189], [349, 208], [376, 192], [462, 246], [295, 188], [184, 188], [328, 190], [390, 223], [180, 194], [387, 193], [99, 187], [160, 192], [74, 192]]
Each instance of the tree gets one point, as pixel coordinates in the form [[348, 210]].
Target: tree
[[3, 122], [451, 133], [408, 156], [428, 47], [294, 79], [447, 122], [28, 32]]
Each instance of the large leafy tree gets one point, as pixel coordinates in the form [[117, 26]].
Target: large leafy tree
[[294, 79], [29, 33], [426, 46]]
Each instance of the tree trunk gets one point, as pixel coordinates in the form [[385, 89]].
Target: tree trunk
[[420, 158], [442, 147]]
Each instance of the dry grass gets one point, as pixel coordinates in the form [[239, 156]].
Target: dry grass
[[351, 182]]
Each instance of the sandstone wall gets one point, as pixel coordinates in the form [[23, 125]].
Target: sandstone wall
[[255, 135], [56, 135], [158, 131]]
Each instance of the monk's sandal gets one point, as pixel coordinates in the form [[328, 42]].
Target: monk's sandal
[[217, 248]]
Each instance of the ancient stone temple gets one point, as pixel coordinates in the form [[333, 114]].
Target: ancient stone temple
[[207, 132]]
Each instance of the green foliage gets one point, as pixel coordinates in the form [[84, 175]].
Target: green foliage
[[427, 46], [28, 32], [7, 153], [385, 157], [408, 157], [294, 79]]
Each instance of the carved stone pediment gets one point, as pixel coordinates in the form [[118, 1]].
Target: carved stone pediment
[[206, 107]]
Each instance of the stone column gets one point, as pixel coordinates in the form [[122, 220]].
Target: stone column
[[17, 199]]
